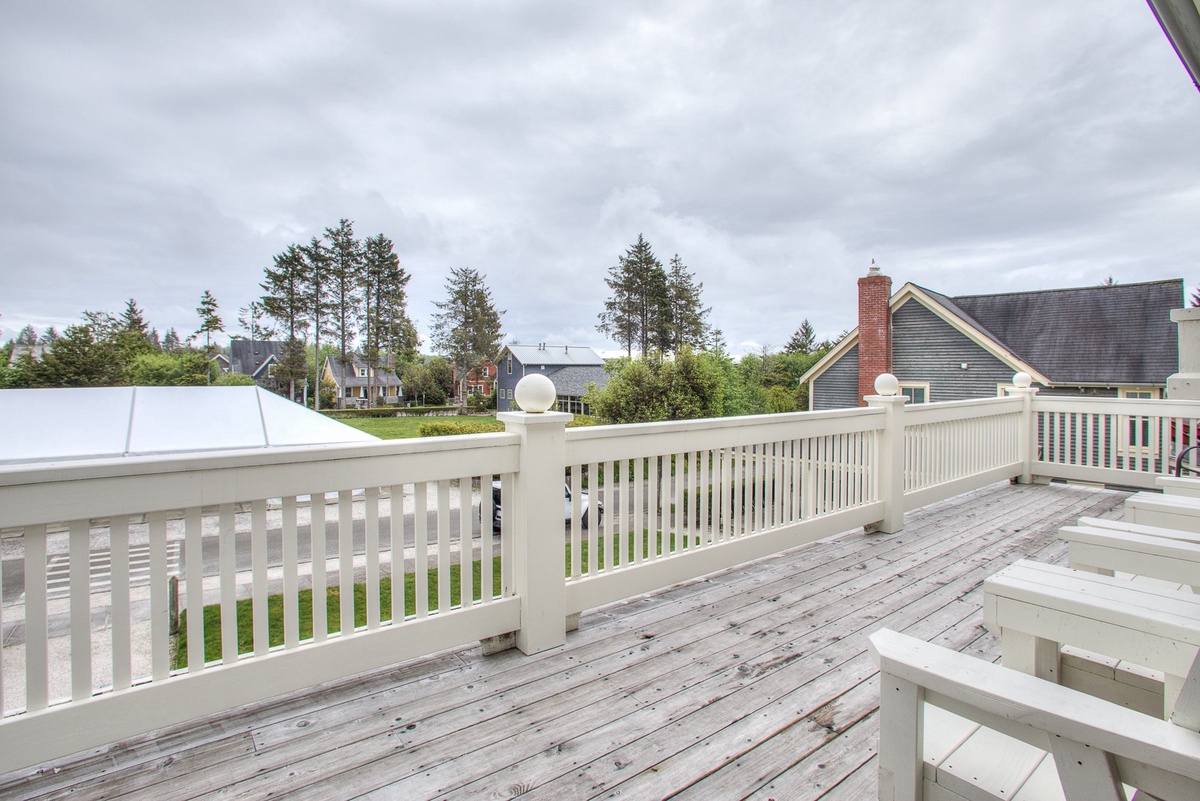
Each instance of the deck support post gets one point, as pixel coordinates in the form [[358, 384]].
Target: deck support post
[[536, 499], [1022, 388], [891, 463]]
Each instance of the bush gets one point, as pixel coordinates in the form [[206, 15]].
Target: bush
[[450, 428], [233, 380], [582, 420]]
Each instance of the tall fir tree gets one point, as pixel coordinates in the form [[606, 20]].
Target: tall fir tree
[[27, 336], [637, 312], [385, 303], [253, 319], [317, 301], [466, 326], [345, 282], [171, 341], [687, 317], [804, 341]]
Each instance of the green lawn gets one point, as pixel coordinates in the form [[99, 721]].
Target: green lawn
[[333, 618], [401, 427]]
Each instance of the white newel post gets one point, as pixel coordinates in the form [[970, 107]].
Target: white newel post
[[1022, 387], [891, 454], [536, 499], [1185, 385]]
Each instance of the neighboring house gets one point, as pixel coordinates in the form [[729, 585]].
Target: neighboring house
[[351, 381], [1113, 341], [570, 367], [35, 352], [255, 358], [480, 381]]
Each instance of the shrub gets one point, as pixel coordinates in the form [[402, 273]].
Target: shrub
[[449, 428]]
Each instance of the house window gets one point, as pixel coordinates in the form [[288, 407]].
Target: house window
[[1140, 435], [270, 371], [915, 392], [509, 363], [362, 372], [349, 392]]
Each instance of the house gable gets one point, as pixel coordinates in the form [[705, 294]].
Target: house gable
[[1090, 337]]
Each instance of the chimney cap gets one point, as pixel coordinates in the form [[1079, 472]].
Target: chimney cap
[[874, 270]]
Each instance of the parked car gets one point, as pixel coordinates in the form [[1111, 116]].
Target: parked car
[[585, 506]]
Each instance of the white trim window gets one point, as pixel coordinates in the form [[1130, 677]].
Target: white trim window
[[362, 372], [915, 391]]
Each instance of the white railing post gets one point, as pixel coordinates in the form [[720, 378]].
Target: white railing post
[[536, 501], [1028, 437], [891, 454]]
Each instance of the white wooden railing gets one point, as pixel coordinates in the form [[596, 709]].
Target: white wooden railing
[[234, 532]]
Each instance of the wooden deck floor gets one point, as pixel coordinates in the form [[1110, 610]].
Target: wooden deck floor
[[751, 683]]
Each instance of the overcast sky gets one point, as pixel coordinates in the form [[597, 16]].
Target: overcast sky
[[158, 150]]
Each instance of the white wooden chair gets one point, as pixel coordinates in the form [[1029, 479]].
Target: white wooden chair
[[954, 727], [1037, 608]]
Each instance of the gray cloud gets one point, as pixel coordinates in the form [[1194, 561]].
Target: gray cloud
[[156, 152]]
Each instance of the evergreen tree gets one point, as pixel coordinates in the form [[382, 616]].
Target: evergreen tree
[[287, 302], [210, 321], [688, 319], [804, 341], [171, 341], [27, 336], [386, 325], [155, 342], [49, 336], [131, 338], [466, 327], [344, 282], [1196, 297], [315, 292], [80, 358], [252, 319], [638, 312]]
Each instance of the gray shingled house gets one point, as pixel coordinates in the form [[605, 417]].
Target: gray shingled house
[[256, 359], [570, 367], [1108, 341], [351, 381]]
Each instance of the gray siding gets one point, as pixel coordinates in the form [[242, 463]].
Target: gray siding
[[927, 349], [837, 387]]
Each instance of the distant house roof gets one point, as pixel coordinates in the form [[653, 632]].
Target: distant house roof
[[105, 422], [252, 357], [36, 352], [573, 381], [555, 355], [346, 375], [1089, 336], [1119, 334]]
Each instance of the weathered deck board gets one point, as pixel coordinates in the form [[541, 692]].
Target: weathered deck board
[[754, 682]]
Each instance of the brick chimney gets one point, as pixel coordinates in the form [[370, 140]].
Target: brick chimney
[[874, 330]]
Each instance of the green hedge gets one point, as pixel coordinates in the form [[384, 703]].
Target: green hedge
[[449, 428], [385, 411]]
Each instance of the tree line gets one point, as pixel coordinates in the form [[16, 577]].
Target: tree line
[[347, 298]]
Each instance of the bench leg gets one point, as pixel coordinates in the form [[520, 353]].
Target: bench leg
[[1030, 654], [901, 739]]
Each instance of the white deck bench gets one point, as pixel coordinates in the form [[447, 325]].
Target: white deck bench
[[1179, 485], [955, 727], [1037, 608], [1169, 511], [1108, 551]]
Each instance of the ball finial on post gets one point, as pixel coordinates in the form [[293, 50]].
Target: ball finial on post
[[535, 394], [886, 384], [1022, 380]]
